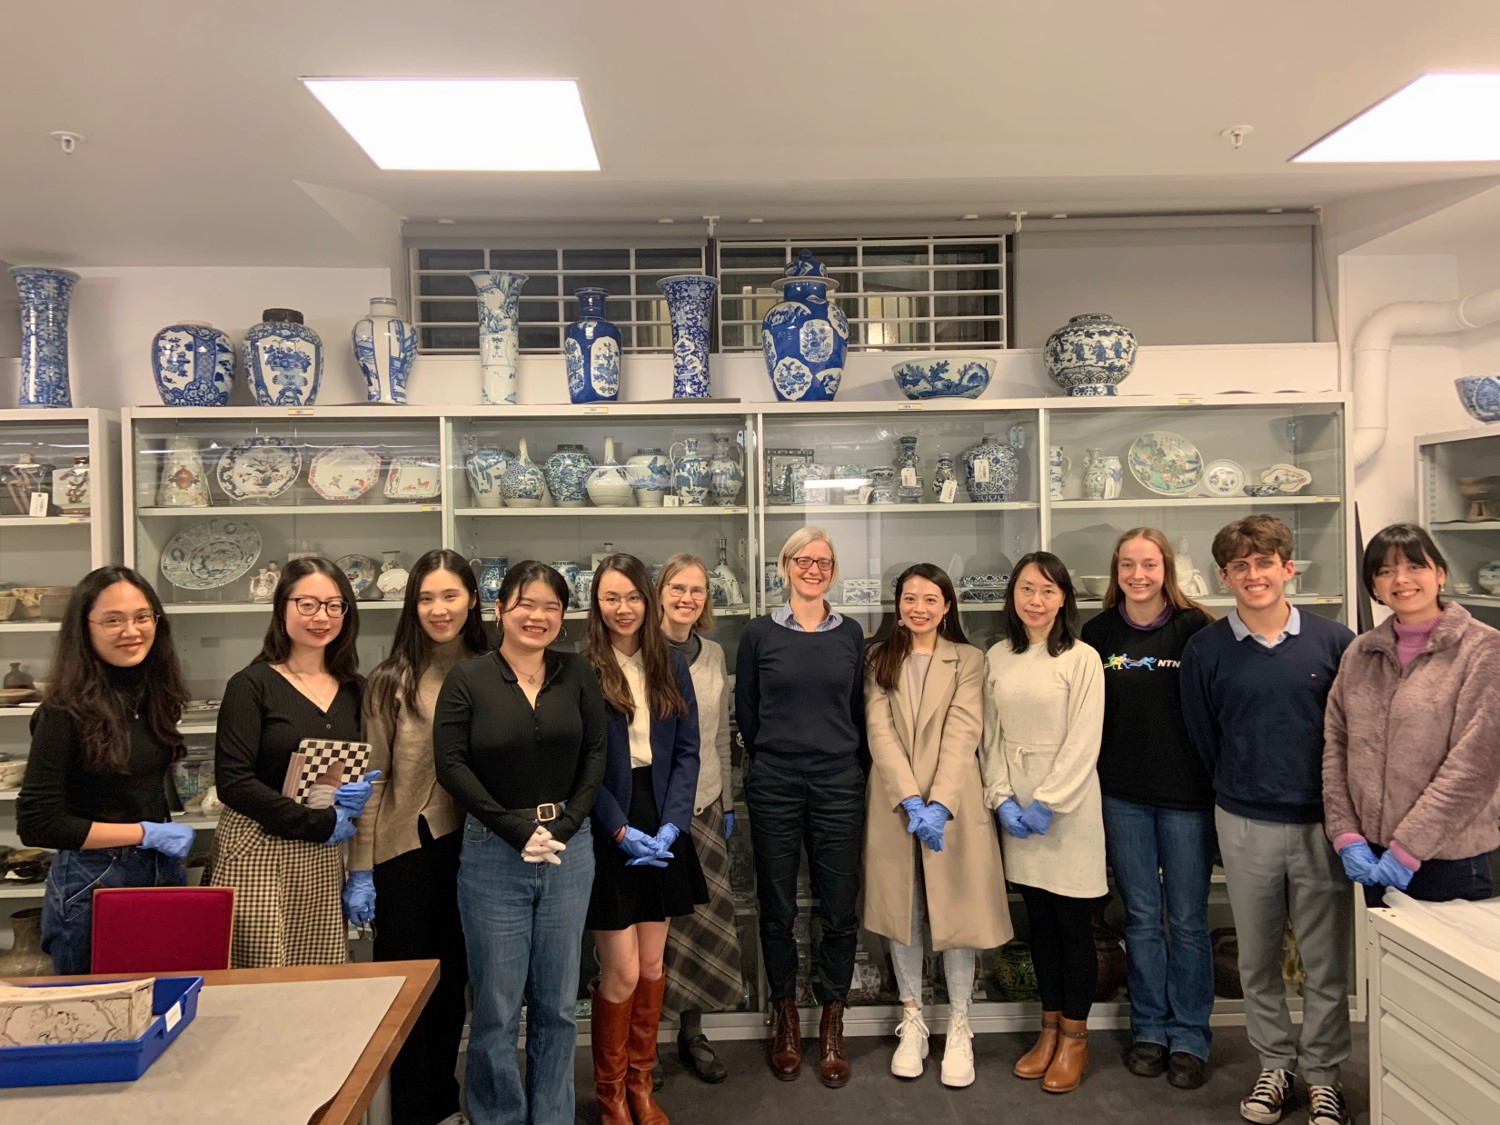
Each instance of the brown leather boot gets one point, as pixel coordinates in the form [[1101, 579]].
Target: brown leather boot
[[640, 1052], [1072, 1058], [609, 1028], [1034, 1063], [786, 1040], [833, 1064]]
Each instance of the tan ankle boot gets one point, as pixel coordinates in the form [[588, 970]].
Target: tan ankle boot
[[1034, 1063], [1071, 1060]]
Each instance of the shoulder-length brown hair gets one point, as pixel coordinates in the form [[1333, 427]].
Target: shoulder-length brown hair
[[663, 698], [341, 657], [1169, 586], [885, 659], [670, 570], [79, 686]]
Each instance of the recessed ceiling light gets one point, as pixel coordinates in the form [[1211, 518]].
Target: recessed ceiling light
[[1439, 117], [463, 125]]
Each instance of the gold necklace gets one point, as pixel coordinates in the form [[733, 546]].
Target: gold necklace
[[531, 678], [311, 692]]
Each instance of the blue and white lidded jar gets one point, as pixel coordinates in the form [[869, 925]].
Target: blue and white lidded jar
[[193, 364], [567, 474], [992, 469], [283, 360], [806, 336]]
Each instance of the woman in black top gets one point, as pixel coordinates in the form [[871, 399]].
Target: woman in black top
[[518, 740], [102, 744], [1158, 807], [280, 855]]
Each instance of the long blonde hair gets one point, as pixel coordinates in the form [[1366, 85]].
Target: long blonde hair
[[1169, 586]]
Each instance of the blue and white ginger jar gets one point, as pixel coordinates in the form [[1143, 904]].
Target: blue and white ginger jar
[[690, 298], [46, 296], [385, 346], [193, 364], [567, 475], [522, 486], [650, 473], [591, 351], [485, 470], [1090, 355], [1003, 463], [283, 360], [806, 336]]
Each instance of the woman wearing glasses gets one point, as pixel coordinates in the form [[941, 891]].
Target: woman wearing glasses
[[703, 949], [280, 855], [102, 747], [646, 867], [800, 704]]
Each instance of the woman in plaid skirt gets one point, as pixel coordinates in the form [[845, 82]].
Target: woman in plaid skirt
[[281, 856]]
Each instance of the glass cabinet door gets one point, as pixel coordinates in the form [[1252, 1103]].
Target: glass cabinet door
[[1459, 499]]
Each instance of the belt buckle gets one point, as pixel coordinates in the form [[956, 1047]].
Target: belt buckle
[[546, 812]]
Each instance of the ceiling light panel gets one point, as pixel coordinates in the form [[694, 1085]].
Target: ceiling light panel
[[463, 125], [1439, 118]]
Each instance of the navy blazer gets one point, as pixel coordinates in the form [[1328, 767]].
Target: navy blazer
[[674, 761]]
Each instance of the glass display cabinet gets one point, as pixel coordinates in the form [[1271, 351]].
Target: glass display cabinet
[[1458, 502]]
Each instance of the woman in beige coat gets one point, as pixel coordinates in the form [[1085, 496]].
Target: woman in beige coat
[[929, 844]]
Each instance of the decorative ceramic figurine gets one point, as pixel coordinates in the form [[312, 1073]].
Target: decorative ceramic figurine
[[591, 349], [689, 473], [523, 485], [283, 360], [193, 364], [723, 583], [992, 469], [499, 333], [489, 572], [609, 484], [485, 469], [650, 472], [1090, 355], [393, 577], [385, 346], [22, 479], [725, 477], [263, 583], [46, 295], [690, 299], [805, 337], [1189, 578], [942, 474], [183, 481], [70, 487], [567, 473]]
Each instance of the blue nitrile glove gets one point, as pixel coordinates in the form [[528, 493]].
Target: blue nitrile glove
[[1359, 863], [728, 825], [913, 807], [930, 825], [359, 898], [642, 849], [1037, 817], [665, 838], [175, 840], [1391, 872], [343, 827], [352, 795], [1009, 814]]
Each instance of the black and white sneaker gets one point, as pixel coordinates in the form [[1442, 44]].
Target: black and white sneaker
[[1267, 1102], [1326, 1106]]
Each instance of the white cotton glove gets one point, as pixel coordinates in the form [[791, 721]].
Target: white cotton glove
[[542, 848]]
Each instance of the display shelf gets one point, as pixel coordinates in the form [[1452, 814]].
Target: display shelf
[[351, 508], [741, 610], [1195, 502], [29, 626], [192, 608], [922, 508], [1221, 601], [45, 521], [23, 890], [1465, 525], [625, 511], [1484, 601]]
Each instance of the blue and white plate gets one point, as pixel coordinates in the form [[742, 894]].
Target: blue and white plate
[[259, 468], [1224, 477], [362, 572], [210, 554]]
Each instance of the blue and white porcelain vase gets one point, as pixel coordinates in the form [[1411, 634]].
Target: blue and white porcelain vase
[[650, 473], [591, 350], [283, 360], [567, 475], [725, 477], [385, 346], [489, 572], [485, 470], [689, 473], [1002, 465], [46, 295], [608, 483], [523, 485], [806, 336], [193, 364], [569, 572], [499, 333], [1090, 355], [690, 299]]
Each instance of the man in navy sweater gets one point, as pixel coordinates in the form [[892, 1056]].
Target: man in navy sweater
[[1254, 685]]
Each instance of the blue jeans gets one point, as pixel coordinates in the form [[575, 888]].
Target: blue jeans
[[523, 925], [1171, 975], [1442, 880], [68, 905]]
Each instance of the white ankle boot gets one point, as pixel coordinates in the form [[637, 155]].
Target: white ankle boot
[[912, 1048], [958, 1052]]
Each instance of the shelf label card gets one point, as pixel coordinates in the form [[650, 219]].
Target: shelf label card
[[1189, 400], [908, 476], [981, 468], [908, 406], [596, 410], [949, 492], [671, 501], [301, 411], [38, 504]]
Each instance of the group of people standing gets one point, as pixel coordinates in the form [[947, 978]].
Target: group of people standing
[[519, 795]]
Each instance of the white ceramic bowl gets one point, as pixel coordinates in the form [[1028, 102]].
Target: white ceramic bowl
[[1094, 584]]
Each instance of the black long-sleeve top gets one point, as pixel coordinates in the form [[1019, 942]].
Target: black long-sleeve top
[[500, 758], [61, 799], [262, 720]]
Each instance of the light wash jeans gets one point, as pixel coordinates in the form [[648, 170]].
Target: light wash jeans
[[958, 964]]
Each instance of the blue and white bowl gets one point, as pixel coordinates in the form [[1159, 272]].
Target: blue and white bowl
[[943, 376], [1480, 395], [861, 591], [983, 587], [1489, 577]]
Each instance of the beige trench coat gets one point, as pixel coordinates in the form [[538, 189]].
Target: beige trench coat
[[931, 748]]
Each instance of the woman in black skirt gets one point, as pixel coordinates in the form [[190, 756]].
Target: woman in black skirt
[[646, 870]]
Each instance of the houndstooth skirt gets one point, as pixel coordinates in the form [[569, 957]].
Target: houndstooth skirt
[[287, 909], [703, 948]]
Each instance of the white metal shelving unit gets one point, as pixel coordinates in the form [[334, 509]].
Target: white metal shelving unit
[[1442, 510]]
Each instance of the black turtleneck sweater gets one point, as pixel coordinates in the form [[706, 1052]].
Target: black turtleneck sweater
[[61, 799]]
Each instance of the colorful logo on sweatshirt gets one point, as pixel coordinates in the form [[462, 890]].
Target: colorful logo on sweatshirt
[[1123, 662]]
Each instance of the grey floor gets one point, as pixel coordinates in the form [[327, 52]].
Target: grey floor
[[1110, 1094]]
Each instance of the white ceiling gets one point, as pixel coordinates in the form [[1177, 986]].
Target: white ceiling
[[198, 133]]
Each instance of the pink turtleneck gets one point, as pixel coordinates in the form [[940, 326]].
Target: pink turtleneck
[[1412, 639]]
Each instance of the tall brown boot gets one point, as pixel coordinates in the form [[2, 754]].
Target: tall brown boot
[[640, 1051], [609, 1027], [1034, 1063], [1072, 1058], [786, 1040]]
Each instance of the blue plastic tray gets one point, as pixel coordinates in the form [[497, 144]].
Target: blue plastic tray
[[174, 1002]]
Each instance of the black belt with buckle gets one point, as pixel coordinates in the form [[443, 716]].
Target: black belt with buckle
[[548, 811]]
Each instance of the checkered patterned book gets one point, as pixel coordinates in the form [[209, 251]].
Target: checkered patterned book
[[320, 765]]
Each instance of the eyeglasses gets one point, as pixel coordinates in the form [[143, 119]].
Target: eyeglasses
[[614, 601], [308, 607], [116, 622], [807, 562], [1263, 565], [697, 593]]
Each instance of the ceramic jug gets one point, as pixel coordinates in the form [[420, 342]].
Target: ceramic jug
[[1095, 475], [725, 477], [689, 473]]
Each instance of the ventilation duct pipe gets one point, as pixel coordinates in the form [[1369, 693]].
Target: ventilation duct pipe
[[1372, 355]]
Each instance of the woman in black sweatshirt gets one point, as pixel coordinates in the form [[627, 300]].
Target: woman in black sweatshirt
[[102, 744]]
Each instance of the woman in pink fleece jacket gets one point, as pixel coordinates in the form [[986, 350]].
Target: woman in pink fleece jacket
[[1411, 756]]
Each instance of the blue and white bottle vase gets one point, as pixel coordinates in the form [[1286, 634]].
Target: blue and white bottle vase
[[499, 333], [193, 364], [567, 475], [283, 360], [608, 483], [46, 296], [1090, 355], [690, 298], [689, 474], [523, 485], [591, 350], [806, 336], [385, 346]]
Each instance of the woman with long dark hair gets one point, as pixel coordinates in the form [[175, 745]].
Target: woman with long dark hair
[[1043, 715], [1158, 803], [518, 740], [930, 848], [646, 867], [102, 746], [403, 861], [280, 855]]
